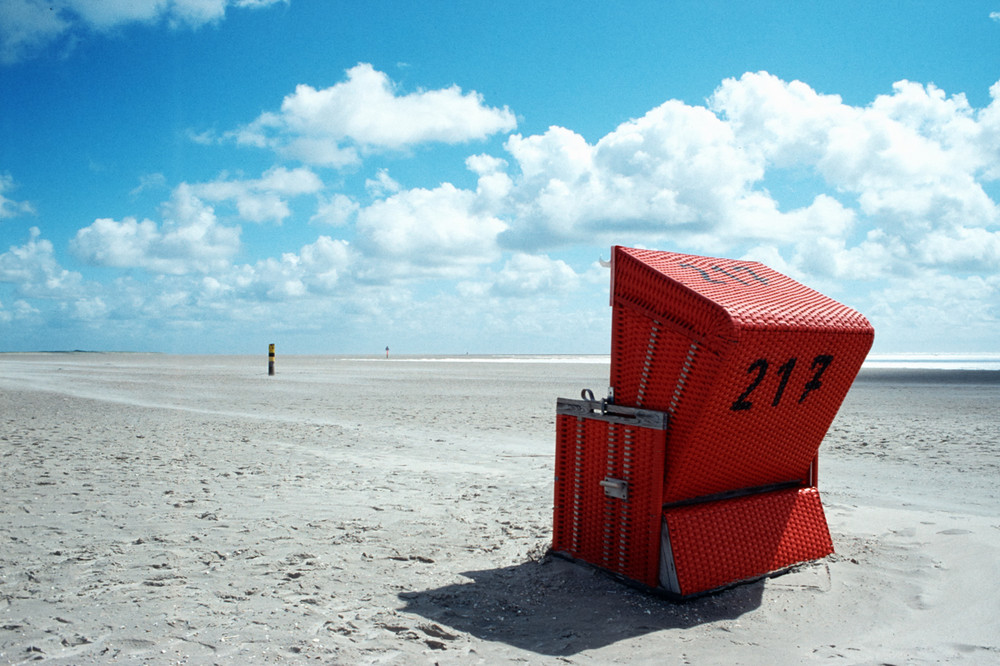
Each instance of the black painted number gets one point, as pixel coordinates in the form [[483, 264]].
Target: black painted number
[[741, 402], [734, 273], [758, 369], [785, 371], [820, 364]]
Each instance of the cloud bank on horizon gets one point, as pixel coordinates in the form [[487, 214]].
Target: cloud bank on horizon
[[885, 206]]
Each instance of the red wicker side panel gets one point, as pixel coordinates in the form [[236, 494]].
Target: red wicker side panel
[[618, 534], [639, 518], [565, 512], [640, 283], [719, 543], [651, 362], [578, 471], [767, 412]]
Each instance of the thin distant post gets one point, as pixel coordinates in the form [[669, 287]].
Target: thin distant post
[[270, 359]]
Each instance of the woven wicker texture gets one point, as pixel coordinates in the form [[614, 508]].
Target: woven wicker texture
[[620, 535], [645, 351], [715, 544], [751, 365], [749, 293]]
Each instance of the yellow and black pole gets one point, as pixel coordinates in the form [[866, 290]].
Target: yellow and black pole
[[270, 359]]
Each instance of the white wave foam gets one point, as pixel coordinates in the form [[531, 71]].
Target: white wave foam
[[934, 361], [495, 358]]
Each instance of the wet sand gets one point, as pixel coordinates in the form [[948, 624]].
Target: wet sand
[[164, 509]]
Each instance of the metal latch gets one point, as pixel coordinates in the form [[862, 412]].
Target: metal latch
[[617, 488], [588, 395]]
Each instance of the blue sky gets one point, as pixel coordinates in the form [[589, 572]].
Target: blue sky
[[210, 176]]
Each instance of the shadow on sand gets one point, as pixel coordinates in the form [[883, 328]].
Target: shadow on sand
[[558, 608]]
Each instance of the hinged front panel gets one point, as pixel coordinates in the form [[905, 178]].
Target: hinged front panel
[[713, 544], [607, 509]]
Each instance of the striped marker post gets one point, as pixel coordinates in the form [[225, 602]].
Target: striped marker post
[[270, 360]]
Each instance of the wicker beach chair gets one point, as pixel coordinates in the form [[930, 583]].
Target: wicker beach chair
[[746, 369]]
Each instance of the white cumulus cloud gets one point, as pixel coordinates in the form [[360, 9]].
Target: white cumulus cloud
[[911, 158], [421, 232], [528, 275], [189, 240], [10, 207], [318, 269], [934, 310], [333, 126], [677, 172], [898, 183], [335, 210], [382, 184], [34, 270], [262, 199], [22, 310], [29, 26]]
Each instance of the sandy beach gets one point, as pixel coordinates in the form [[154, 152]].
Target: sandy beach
[[168, 509]]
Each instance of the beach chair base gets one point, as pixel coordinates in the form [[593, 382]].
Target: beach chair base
[[710, 545], [608, 510]]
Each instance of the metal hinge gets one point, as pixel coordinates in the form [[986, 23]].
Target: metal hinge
[[617, 488]]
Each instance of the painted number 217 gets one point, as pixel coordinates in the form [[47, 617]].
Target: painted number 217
[[759, 369]]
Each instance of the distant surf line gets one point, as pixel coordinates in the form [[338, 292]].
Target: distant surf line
[[490, 358], [944, 361]]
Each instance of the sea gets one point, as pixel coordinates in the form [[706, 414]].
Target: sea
[[941, 361]]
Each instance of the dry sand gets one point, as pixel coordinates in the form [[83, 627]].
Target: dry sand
[[161, 509]]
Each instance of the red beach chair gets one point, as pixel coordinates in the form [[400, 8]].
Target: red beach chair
[[747, 369]]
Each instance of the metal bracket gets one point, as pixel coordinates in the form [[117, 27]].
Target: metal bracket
[[607, 411], [617, 488]]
